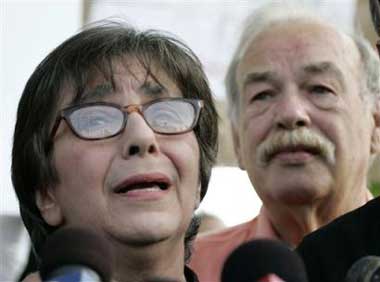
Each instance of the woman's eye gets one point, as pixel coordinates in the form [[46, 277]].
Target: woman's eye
[[167, 117], [97, 121]]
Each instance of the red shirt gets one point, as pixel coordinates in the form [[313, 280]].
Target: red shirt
[[211, 250]]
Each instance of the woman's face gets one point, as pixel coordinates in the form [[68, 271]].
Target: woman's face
[[138, 187]]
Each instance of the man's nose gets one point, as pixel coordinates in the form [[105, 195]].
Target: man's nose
[[138, 138], [291, 112]]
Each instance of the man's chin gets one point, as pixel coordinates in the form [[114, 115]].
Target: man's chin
[[298, 198], [295, 189]]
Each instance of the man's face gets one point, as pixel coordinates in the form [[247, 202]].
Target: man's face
[[159, 173], [303, 132]]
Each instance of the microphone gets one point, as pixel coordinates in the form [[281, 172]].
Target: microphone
[[264, 260], [73, 254], [270, 278], [366, 269]]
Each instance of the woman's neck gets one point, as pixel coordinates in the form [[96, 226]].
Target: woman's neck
[[163, 261]]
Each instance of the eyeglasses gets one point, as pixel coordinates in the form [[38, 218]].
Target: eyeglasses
[[101, 120]]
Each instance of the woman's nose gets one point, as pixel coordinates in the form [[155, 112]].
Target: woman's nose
[[138, 138]]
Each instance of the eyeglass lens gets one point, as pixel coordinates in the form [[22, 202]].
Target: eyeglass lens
[[102, 121]]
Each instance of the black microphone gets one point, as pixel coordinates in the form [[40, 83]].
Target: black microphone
[[366, 269], [255, 260], [76, 255]]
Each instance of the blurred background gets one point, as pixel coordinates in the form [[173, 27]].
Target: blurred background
[[29, 30]]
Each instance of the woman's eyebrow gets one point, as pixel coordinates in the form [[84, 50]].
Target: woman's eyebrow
[[99, 92], [153, 89]]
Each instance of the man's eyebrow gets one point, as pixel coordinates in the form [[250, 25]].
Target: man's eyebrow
[[326, 68], [98, 93], [257, 77]]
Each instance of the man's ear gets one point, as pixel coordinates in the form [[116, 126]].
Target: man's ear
[[375, 140], [49, 207], [236, 145], [198, 197]]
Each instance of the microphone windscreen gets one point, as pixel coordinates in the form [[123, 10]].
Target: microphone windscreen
[[258, 258], [76, 246], [364, 269]]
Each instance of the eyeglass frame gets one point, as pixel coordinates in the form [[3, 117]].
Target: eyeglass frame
[[197, 104]]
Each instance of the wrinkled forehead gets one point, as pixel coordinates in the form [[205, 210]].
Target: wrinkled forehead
[[300, 43], [121, 75]]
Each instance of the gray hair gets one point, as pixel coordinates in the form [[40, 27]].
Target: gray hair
[[370, 67], [274, 14]]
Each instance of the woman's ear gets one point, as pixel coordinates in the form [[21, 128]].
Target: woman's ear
[[49, 207]]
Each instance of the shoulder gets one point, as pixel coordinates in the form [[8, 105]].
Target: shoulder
[[342, 242], [220, 243], [239, 232], [349, 226], [211, 250]]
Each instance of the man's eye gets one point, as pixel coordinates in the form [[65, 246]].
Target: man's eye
[[320, 90], [262, 96]]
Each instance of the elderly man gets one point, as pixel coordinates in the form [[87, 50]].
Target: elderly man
[[116, 132], [303, 100], [350, 238]]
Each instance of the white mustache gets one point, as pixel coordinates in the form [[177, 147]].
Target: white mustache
[[300, 137]]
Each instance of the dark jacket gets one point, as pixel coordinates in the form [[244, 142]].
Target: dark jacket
[[329, 252]]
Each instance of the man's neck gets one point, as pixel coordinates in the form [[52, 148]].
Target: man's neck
[[291, 224]]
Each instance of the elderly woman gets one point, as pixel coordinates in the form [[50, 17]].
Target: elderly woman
[[117, 132]]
